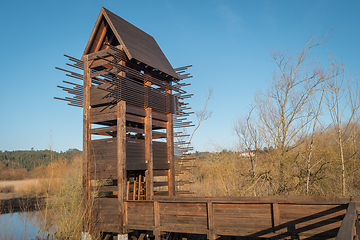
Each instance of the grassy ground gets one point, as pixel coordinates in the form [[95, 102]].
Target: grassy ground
[[21, 188]]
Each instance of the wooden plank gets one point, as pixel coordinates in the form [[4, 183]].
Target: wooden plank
[[135, 110], [103, 188], [161, 166], [160, 184], [97, 175], [103, 110], [102, 117], [121, 164], [103, 130], [159, 116], [160, 173], [159, 123], [134, 118]]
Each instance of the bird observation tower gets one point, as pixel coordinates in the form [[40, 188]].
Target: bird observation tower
[[132, 99]]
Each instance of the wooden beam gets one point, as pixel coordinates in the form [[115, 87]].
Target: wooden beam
[[99, 37], [121, 161], [149, 155], [86, 142], [170, 153]]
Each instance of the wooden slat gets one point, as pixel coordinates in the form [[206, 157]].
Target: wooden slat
[[102, 117], [104, 188], [102, 110], [103, 130], [160, 173]]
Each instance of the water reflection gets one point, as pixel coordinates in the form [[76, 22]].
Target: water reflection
[[21, 225]]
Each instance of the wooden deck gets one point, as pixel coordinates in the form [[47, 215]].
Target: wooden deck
[[253, 217]]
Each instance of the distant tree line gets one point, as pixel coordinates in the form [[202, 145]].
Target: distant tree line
[[16, 165]]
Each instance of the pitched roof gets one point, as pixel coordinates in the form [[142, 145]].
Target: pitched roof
[[136, 43]]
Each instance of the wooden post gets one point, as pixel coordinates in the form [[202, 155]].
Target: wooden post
[[276, 217], [210, 218], [149, 155], [86, 143], [170, 152], [156, 221], [121, 160]]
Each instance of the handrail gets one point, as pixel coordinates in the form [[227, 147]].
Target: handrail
[[349, 228]]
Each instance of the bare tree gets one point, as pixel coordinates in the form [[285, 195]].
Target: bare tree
[[343, 101], [311, 145], [249, 135], [204, 114], [284, 109]]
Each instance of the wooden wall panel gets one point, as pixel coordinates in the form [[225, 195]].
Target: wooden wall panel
[[105, 214], [140, 213], [248, 217], [103, 155], [186, 215], [308, 220], [160, 155], [135, 154]]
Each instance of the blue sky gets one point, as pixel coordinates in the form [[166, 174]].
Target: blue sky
[[227, 42]]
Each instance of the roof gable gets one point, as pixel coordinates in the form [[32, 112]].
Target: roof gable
[[136, 43]]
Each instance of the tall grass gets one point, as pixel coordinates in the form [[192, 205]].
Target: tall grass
[[62, 216], [61, 183]]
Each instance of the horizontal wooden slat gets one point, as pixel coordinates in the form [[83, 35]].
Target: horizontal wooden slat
[[160, 184], [160, 173], [104, 188]]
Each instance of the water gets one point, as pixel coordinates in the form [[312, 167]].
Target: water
[[18, 226]]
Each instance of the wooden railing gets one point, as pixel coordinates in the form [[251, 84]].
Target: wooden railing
[[349, 228], [253, 217]]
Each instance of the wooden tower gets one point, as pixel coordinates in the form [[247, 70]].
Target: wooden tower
[[132, 100]]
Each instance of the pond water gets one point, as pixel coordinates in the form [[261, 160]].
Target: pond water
[[19, 225]]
